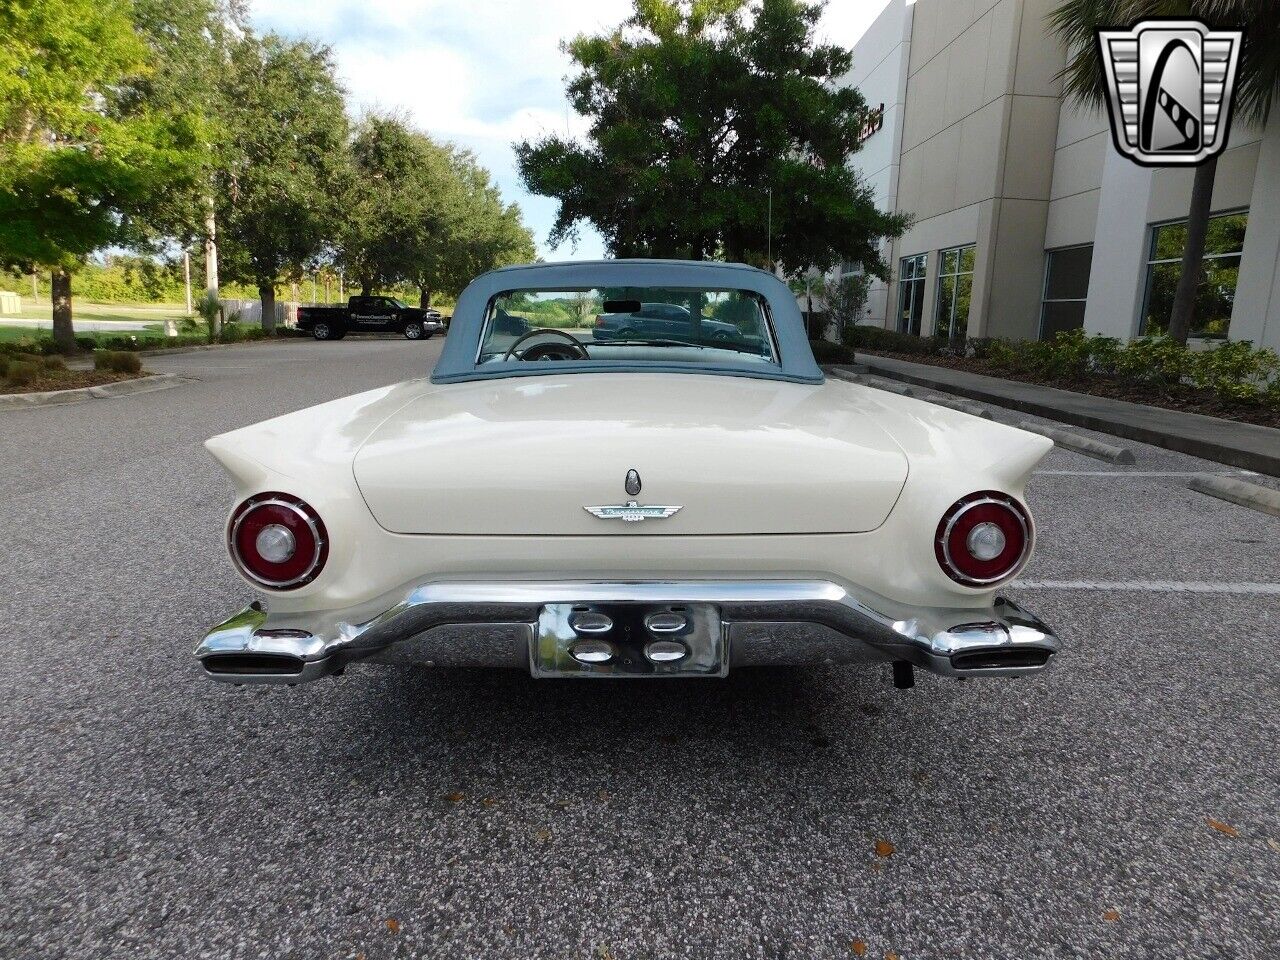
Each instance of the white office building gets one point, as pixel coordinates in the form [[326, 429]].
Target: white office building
[[1026, 220]]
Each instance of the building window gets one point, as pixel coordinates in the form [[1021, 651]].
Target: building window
[[1216, 292], [911, 293], [955, 288], [1066, 285]]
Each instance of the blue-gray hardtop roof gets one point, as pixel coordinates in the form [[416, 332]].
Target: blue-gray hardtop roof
[[458, 360]]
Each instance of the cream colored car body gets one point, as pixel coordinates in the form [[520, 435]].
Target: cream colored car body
[[488, 480], [674, 508]]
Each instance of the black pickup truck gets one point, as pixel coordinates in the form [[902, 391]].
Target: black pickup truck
[[370, 315]]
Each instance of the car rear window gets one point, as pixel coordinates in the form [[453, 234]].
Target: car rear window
[[693, 325]]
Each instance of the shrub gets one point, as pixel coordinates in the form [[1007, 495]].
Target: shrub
[[117, 361], [824, 351], [20, 373], [1154, 360], [1235, 370], [890, 341]]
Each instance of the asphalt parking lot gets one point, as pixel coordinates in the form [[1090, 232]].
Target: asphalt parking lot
[[1125, 804]]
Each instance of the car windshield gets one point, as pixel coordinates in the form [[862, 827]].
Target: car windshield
[[630, 324]]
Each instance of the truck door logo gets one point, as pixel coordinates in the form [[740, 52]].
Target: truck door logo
[[1169, 87]]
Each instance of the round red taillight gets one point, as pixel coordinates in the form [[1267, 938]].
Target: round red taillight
[[278, 541], [984, 538]]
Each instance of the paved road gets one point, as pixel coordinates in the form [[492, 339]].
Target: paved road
[[147, 813]]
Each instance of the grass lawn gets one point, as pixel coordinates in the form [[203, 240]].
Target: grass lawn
[[122, 312], [10, 334], [153, 315]]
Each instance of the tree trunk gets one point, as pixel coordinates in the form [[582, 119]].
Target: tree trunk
[[267, 294], [424, 297], [60, 294], [366, 288], [211, 264], [1184, 298]]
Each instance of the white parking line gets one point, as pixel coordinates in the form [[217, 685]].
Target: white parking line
[[1152, 586], [1144, 473]]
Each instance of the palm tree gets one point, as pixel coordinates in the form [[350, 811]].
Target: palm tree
[[1257, 80]]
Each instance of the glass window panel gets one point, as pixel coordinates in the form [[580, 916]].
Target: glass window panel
[[955, 286], [1068, 273], [632, 324], [911, 292], [946, 301], [1215, 297], [1216, 290], [1059, 316], [1226, 234], [960, 321], [1168, 241]]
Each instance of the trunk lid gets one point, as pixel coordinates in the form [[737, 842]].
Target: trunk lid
[[525, 457]]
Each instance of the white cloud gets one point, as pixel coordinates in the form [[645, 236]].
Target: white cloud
[[480, 74]]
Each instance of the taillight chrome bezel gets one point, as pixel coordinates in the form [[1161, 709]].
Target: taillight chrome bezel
[[295, 507], [965, 506]]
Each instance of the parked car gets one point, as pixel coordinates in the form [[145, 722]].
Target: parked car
[[370, 315], [639, 508], [668, 320]]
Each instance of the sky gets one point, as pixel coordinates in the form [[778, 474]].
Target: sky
[[480, 73]]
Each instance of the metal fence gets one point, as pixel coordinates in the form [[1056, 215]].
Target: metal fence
[[250, 311]]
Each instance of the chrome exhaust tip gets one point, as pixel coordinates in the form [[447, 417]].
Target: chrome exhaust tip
[[1009, 658], [253, 664]]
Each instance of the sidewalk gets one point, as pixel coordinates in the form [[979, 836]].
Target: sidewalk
[[1244, 445]]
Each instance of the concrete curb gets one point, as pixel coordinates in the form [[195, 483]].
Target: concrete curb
[[157, 381], [962, 405], [1262, 499], [853, 376], [105, 391], [1245, 445], [1085, 445]]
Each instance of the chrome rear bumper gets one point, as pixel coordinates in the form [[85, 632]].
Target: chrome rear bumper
[[498, 624]]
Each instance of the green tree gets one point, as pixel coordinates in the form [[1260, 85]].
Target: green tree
[[1257, 80], [82, 159], [286, 133], [703, 112], [464, 229], [845, 297], [190, 43], [382, 184]]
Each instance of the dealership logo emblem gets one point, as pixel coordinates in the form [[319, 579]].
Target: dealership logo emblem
[[1169, 86]]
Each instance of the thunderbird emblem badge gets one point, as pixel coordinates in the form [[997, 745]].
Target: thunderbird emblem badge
[[631, 511], [1169, 85]]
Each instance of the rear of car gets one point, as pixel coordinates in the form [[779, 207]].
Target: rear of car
[[644, 507]]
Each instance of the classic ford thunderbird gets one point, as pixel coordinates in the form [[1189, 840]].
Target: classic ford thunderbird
[[640, 506]]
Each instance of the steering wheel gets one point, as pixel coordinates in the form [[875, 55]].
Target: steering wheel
[[575, 349]]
